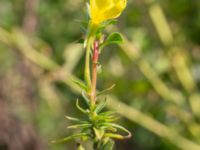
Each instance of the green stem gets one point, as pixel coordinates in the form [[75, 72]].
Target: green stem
[[92, 28], [87, 65]]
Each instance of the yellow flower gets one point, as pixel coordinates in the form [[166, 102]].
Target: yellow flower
[[102, 10]]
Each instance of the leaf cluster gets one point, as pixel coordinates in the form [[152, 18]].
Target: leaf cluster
[[97, 126]]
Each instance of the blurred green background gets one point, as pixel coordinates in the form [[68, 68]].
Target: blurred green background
[[156, 71]]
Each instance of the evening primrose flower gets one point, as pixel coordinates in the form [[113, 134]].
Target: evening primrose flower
[[102, 10]]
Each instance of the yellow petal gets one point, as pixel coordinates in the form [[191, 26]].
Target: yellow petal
[[104, 10], [115, 11]]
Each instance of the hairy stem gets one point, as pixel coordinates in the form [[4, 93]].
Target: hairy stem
[[94, 71]]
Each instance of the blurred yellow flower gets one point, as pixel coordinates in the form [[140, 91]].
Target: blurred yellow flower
[[102, 10]]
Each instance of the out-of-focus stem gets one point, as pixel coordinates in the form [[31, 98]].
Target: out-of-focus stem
[[30, 18], [94, 71]]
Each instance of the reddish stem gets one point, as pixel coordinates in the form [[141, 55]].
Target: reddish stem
[[94, 71]]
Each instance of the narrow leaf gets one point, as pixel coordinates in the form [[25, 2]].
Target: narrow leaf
[[80, 83], [85, 98], [85, 125], [100, 106], [75, 119], [107, 113], [69, 138], [106, 128], [106, 90], [80, 108], [99, 133], [117, 135], [109, 145]]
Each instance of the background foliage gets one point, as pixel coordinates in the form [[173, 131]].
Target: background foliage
[[156, 70]]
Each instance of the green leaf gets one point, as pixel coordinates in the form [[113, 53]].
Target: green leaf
[[86, 99], [106, 128], [107, 23], [99, 133], [107, 118], [70, 138], [117, 136], [109, 145], [106, 90], [107, 113], [113, 38], [84, 125], [80, 108], [103, 117], [102, 26], [114, 136], [86, 130], [80, 147], [80, 83], [100, 106], [75, 119]]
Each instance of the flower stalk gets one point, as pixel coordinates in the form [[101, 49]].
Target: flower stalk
[[94, 71], [90, 38], [87, 66]]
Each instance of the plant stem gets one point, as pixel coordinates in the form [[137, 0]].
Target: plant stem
[[94, 71], [87, 65]]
